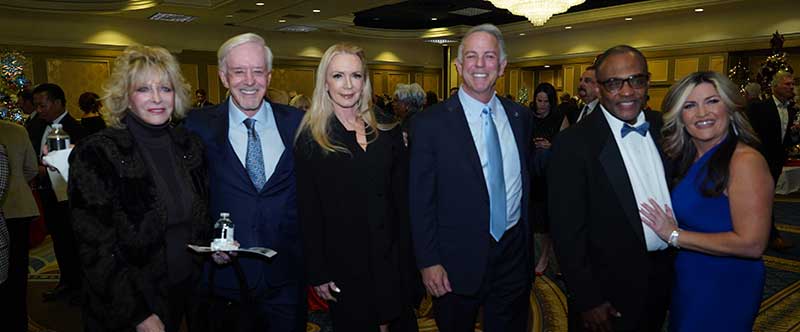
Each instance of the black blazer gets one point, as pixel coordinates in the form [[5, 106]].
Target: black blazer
[[449, 202], [594, 218], [766, 122]]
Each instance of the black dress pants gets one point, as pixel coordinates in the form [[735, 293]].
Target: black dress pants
[[504, 293], [59, 225], [13, 291]]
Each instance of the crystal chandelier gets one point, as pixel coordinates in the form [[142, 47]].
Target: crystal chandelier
[[537, 11]]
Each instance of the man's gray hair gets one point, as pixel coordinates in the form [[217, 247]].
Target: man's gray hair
[[411, 94], [487, 28], [752, 89], [237, 40], [779, 76]]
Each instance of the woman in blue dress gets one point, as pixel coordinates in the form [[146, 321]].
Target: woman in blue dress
[[722, 199]]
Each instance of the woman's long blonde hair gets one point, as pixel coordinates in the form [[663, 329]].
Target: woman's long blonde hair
[[317, 120]]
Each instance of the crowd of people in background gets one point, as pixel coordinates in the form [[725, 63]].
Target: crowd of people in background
[[372, 201]]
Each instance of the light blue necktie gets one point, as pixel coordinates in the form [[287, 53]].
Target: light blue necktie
[[496, 180], [254, 162]]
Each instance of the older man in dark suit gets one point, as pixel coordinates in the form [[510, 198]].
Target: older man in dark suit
[[469, 183], [617, 271], [774, 120], [251, 172]]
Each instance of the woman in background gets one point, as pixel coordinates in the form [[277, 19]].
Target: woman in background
[[138, 194], [352, 170], [722, 200], [548, 120], [92, 121]]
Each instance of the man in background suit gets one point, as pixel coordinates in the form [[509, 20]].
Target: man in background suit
[[773, 119], [589, 92], [20, 208], [617, 271], [251, 172], [469, 183], [51, 106]]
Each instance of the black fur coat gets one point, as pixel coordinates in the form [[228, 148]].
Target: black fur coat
[[120, 224]]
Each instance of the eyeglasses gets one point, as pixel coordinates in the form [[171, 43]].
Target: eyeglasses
[[637, 81]]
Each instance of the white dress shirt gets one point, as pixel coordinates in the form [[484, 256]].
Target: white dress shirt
[[645, 171], [271, 143], [512, 173]]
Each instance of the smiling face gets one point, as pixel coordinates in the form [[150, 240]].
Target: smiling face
[[625, 103], [246, 76], [152, 99], [344, 80], [784, 90], [480, 65], [705, 116]]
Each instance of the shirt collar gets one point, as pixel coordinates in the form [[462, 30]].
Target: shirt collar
[[60, 117], [237, 116], [473, 107], [779, 103], [616, 124]]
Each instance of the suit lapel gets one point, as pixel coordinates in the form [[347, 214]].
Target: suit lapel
[[610, 158], [463, 136], [284, 165], [222, 127]]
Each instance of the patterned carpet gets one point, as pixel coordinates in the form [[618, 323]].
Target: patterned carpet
[[780, 308]]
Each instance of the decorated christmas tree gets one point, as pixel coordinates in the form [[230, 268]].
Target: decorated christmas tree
[[12, 82], [773, 64]]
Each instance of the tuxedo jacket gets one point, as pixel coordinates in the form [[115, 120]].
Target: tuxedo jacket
[[766, 122], [449, 201], [594, 219], [261, 218]]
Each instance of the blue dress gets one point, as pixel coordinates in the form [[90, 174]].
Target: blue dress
[[711, 293]]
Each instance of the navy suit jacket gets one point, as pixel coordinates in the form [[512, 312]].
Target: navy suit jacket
[[266, 218], [449, 201]]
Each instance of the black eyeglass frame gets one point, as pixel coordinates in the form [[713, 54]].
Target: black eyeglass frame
[[629, 80]]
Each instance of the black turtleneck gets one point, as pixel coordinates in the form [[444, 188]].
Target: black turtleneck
[[158, 151]]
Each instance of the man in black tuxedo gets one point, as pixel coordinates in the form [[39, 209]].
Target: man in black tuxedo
[[469, 179], [773, 119], [50, 104], [617, 271]]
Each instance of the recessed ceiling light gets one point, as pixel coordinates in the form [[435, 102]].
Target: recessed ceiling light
[[698, 10], [568, 27], [229, 16], [259, 3], [547, 66], [316, 10], [281, 21], [521, 33], [629, 18], [434, 19], [171, 17]]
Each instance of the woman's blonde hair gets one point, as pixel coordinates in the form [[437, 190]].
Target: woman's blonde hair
[[134, 66], [317, 119]]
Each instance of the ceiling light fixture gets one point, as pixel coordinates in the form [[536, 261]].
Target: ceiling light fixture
[[536, 11], [698, 10], [171, 17], [229, 16], [259, 3], [281, 21], [441, 41], [568, 27], [434, 19], [316, 10], [547, 66], [521, 33], [629, 18]]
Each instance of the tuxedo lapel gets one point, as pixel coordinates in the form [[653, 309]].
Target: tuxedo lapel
[[610, 159]]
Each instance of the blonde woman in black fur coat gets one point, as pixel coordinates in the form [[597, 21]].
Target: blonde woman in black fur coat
[[138, 193]]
